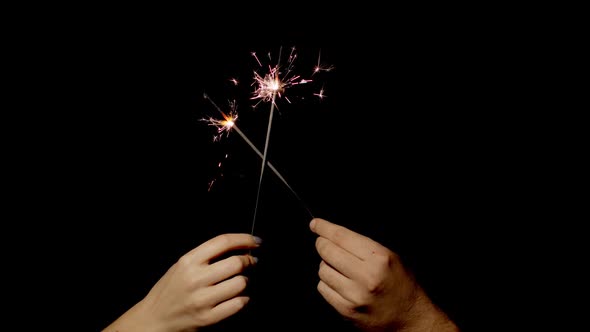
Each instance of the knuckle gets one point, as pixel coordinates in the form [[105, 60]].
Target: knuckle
[[339, 234], [359, 297], [375, 283], [224, 240], [184, 262], [237, 262], [386, 258], [241, 282], [322, 271], [349, 310], [320, 244]]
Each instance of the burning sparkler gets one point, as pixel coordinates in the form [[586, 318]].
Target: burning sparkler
[[223, 125], [269, 86], [274, 83]]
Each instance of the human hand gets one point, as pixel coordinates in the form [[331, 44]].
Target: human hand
[[194, 292], [368, 285]]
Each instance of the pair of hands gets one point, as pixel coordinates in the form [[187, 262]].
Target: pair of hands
[[364, 281]]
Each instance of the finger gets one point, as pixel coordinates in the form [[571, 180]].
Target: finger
[[341, 260], [342, 285], [355, 243], [227, 267], [227, 308], [224, 290], [342, 305], [221, 244]]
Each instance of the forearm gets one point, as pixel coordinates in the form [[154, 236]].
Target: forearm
[[425, 316], [136, 319]]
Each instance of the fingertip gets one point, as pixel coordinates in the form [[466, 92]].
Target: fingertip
[[312, 224], [257, 239], [244, 300], [240, 302]]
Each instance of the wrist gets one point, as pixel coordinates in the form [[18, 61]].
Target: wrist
[[138, 318], [425, 316]]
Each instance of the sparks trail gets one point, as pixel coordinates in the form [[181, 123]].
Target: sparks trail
[[219, 164], [231, 125], [223, 128]]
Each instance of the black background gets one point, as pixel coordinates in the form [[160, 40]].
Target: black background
[[416, 145]]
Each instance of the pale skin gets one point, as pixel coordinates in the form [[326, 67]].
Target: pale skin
[[363, 280], [195, 292], [367, 284]]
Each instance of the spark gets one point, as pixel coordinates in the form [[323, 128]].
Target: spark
[[319, 67], [224, 125], [234, 81], [219, 164], [276, 80], [256, 57], [320, 94]]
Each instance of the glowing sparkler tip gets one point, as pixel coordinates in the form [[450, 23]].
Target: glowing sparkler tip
[[224, 125]]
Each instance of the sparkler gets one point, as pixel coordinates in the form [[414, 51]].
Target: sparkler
[[269, 87], [273, 84]]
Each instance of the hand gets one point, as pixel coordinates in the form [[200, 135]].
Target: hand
[[367, 283], [194, 292]]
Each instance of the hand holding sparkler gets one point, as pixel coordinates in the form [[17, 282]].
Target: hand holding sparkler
[[368, 284], [195, 292]]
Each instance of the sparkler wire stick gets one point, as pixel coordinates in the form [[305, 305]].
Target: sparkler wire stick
[[275, 171], [268, 163], [272, 107]]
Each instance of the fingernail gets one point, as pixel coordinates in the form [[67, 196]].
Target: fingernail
[[312, 224], [257, 239], [255, 259]]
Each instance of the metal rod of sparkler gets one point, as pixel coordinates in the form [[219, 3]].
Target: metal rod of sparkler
[[272, 107], [268, 163]]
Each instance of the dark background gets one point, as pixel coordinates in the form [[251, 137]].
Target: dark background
[[416, 145]]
